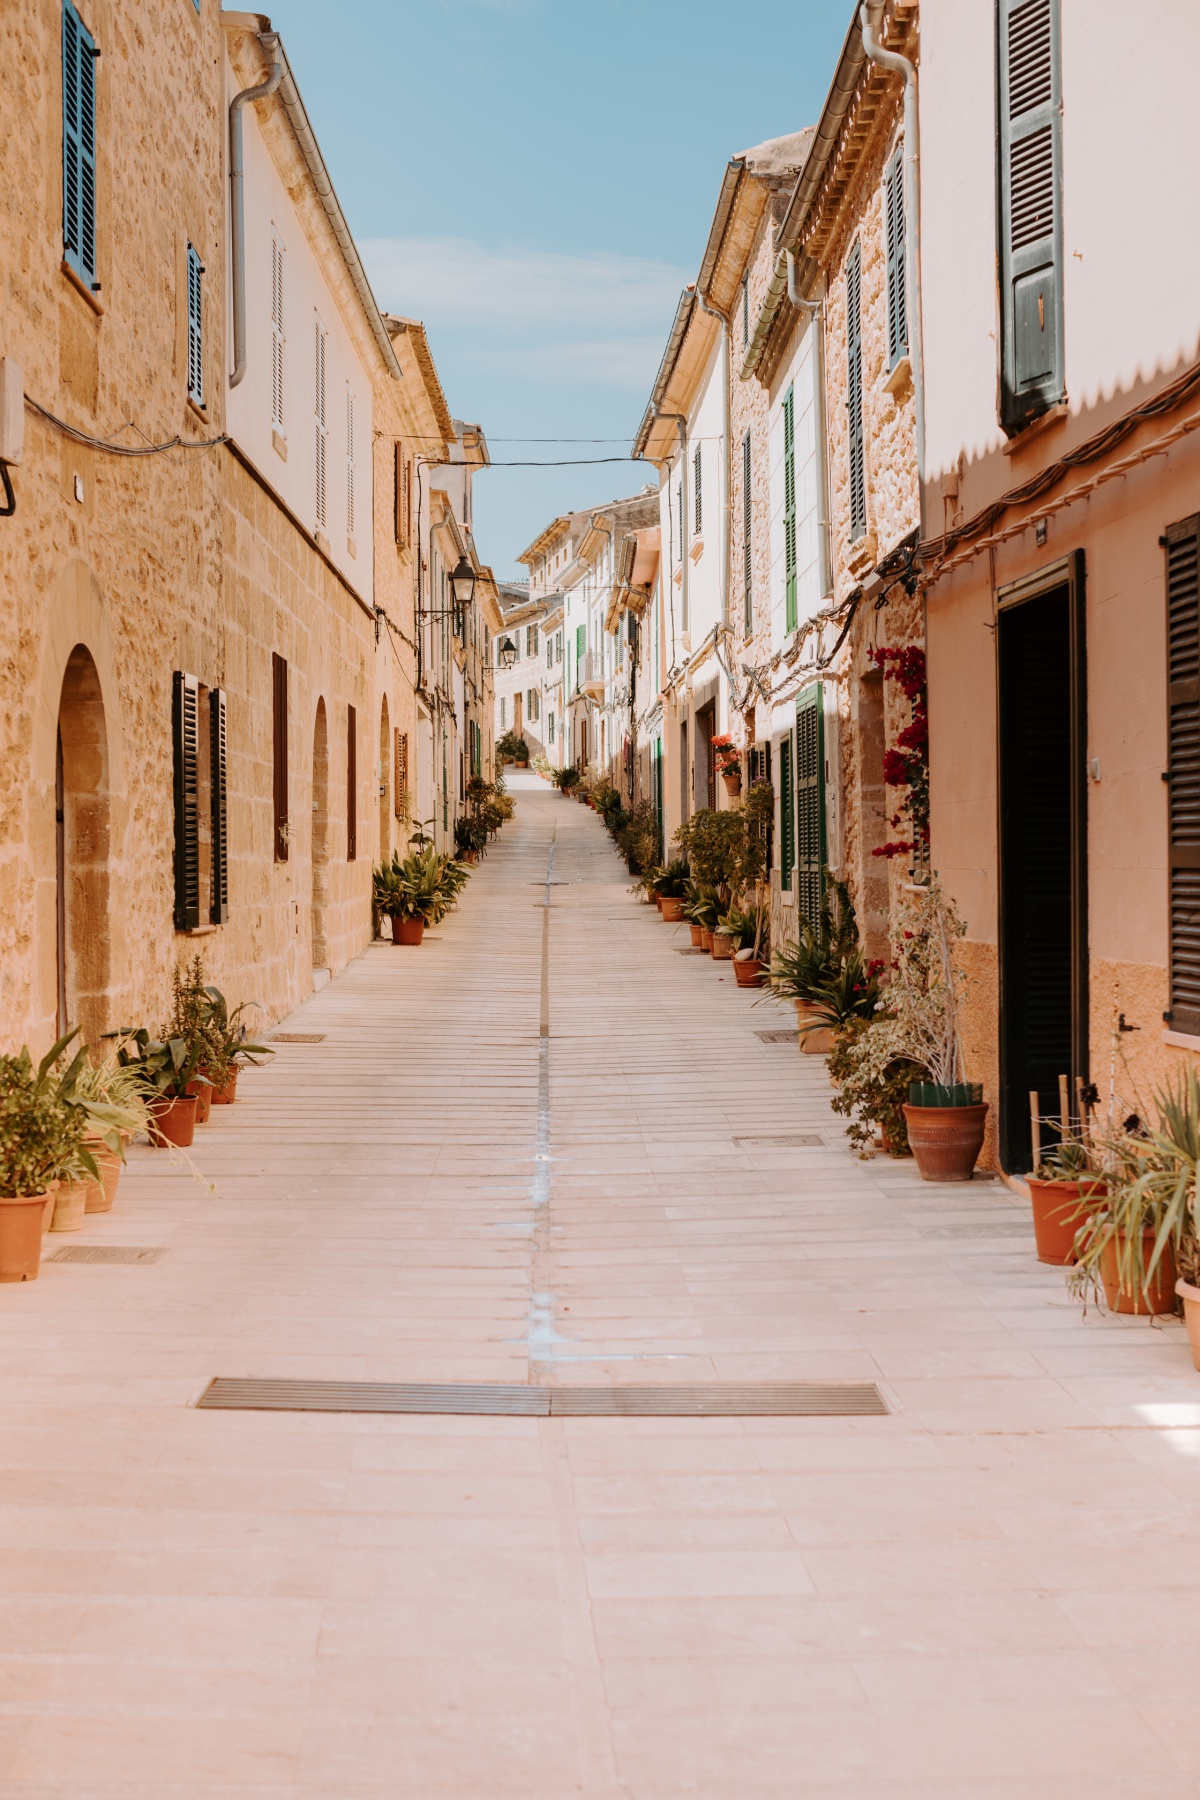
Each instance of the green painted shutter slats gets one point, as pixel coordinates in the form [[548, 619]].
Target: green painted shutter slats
[[810, 799], [195, 301], [79, 146], [1030, 221], [1183, 767], [897, 272], [185, 721], [279, 754], [218, 911], [789, 510], [747, 555], [787, 813], [854, 396]]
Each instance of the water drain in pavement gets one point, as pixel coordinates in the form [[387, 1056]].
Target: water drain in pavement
[[298, 1037], [795, 1399], [107, 1253], [796, 1140], [778, 1037], [691, 950]]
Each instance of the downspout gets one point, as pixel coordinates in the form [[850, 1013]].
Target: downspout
[[723, 319], [269, 42], [869, 15], [816, 324]]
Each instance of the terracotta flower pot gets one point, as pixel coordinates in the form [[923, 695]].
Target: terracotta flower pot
[[815, 1039], [407, 931], [706, 938], [749, 971], [946, 1140], [173, 1122], [697, 937], [21, 1217], [1057, 1216], [101, 1194], [1158, 1298], [658, 902], [671, 908], [70, 1205], [733, 785], [225, 1096], [722, 946], [1191, 1316], [202, 1091]]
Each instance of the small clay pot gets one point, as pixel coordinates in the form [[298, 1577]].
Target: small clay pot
[[697, 936], [21, 1218], [671, 908], [407, 931], [1159, 1297], [70, 1205], [203, 1094], [733, 785], [1057, 1216], [946, 1140], [706, 938], [101, 1194], [225, 1096], [722, 946], [748, 971], [173, 1122], [1191, 1315]]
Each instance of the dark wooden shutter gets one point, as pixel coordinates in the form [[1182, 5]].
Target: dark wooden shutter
[[1182, 543], [351, 784], [218, 911], [789, 510], [185, 719], [279, 753], [195, 319], [747, 551], [1030, 209], [79, 146], [398, 490], [400, 785], [810, 800], [854, 395], [897, 267], [787, 813]]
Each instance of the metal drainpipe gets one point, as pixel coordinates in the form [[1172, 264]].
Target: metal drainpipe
[[816, 317], [723, 319], [869, 16], [270, 42]]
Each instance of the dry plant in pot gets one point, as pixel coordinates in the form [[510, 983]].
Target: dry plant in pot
[[1056, 1190]]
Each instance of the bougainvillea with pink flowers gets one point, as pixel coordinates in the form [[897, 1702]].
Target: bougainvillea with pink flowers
[[906, 764]]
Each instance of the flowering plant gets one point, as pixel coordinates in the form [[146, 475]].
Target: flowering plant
[[920, 1023], [726, 755], [906, 764]]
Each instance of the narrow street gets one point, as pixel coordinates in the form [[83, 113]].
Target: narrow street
[[990, 1591]]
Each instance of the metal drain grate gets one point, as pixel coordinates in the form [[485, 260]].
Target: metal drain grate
[[802, 1399], [796, 1140], [298, 1037], [778, 1037], [691, 950], [107, 1253]]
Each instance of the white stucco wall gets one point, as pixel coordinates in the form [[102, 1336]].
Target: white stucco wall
[[797, 374]]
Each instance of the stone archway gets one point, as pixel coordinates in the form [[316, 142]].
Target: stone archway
[[83, 832], [320, 839], [385, 783]]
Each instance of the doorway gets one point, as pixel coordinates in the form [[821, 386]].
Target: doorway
[[320, 840], [1043, 853], [385, 784], [83, 958]]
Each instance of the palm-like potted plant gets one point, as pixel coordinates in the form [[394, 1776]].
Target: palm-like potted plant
[[822, 963], [166, 1068], [749, 930], [670, 885], [230, 1047], [565, 779], [117, 1109]]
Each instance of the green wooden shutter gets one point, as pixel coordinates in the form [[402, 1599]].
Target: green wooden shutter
[[787, 813], [195, 300], [854, 397], [897, 269], [810, 799], [218, 911], [185, 720], [1182, 543], [789, 510], [747, 556], [79, 146], [1030, 209]]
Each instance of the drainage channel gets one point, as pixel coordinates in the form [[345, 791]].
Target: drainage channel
[[797, 1399]]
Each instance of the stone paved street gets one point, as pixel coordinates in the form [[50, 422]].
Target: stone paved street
[[991, 1592]]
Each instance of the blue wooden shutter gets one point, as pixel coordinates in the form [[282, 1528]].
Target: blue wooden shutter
[[810, 800], [1030, 209], [789, 510], [79, 146], [1182, 544], [195, 304], [854, 396], [787, 813], [185, 720], [897, 270], [218, 911], [747, 556]]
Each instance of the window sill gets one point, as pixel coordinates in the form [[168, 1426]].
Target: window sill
[[81, 287], [1181, 1040], [198, 410], [860, 559], [279, 443], [197, 931], [1029, 433], [697, 549], [899, 382]]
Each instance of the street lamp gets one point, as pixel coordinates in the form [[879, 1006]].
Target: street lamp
[[507, 653]]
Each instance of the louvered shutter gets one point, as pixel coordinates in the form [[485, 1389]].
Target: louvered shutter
[[810, 800], [185, 719], [218, 911], [787, 814], [854, 396], [400, 785], [697, 493], [747, 554], [1030, 184], [277, 334], [79, 146], [321, 423], [195, 320], [279, 757], [789, 511], [350, 495], [897, 270], [351, 784], [1182, 543]]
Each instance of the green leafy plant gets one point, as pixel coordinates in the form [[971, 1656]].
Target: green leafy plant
[[509, 744], [470, 836], [637, 838], [165, 1067], [45, 1121], [823, 948], [749, 927], [865, 1094], [565, 779], [703, 906], [230, 1032], [673, 881]]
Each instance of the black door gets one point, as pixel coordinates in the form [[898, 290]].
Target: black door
[[1043, 858]]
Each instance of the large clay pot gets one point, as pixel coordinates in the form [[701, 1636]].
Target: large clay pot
[[697, 937], [816, 1039], [21, 1217], [722, 946], [658, 901], [202, 1092], [748, 971], [225, 1096], [1057, 1216], [1191, 1315], [946, 1140], [1158, 1298], [671, 908], [706, 938], [407, 931], [70, 1205], [173, 1122]]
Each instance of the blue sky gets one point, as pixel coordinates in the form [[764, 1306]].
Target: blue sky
[[535, 179]]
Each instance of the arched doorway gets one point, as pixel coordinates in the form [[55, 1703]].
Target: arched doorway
[[385, 783], [82, 850], [320, 839]]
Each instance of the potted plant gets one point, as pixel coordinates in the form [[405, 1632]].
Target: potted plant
[[749, 930], [727, 760], [165, 1069], [1056, 1187], [671, 887], [521, 753], [821, 962], [565, 779], [506, 746], [190, 1019], [116, 1105], [470, 839], [230, 1048], [871, 1097]]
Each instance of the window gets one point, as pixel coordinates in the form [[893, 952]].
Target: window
[[351, 784], [747, 556], [1030, 212], [503, 712], [276, 335], [1182, 544], [350, 462], [682, 513], [809, 776], [550, 728], [549, 652], [279, 759], [533, 705], [195, 328], [79, 147], [895, 245], [321, 422], [854, 405], [185, 722], [558, 646], [789, 511], [531, 640], [697, 508], [218, 761]]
